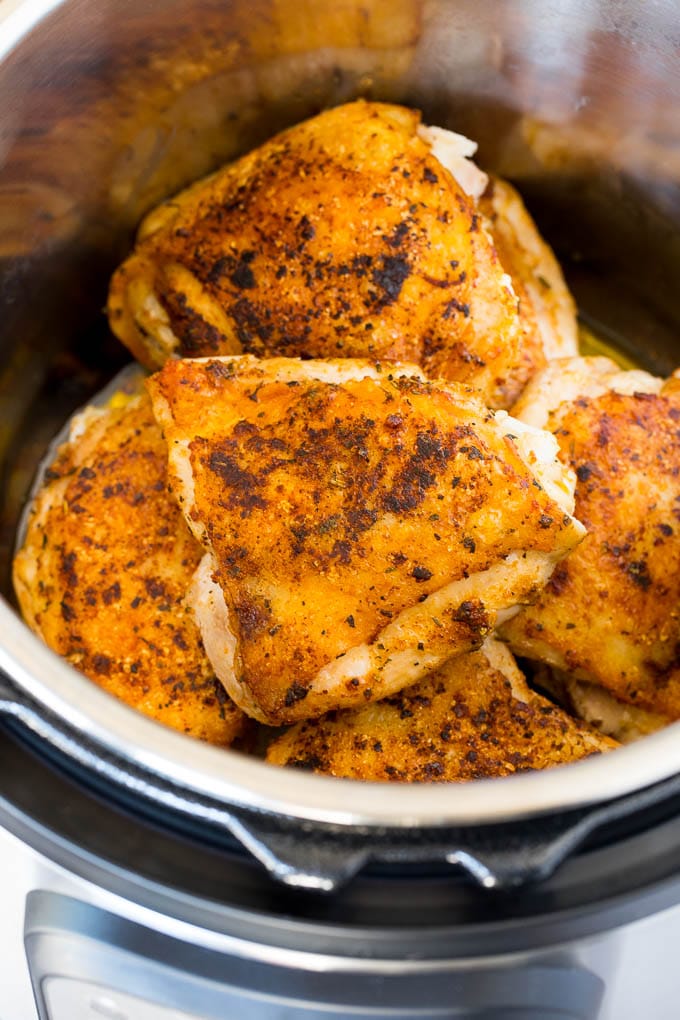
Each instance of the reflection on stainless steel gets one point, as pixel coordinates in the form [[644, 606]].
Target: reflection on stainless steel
[[110, 104]]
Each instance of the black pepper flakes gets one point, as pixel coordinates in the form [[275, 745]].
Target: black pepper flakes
[[307, 764], [421, 573], [639, 574], [390, 278], [101, 664], [307, 231], [67, 611], [296, 692], [473, 452]]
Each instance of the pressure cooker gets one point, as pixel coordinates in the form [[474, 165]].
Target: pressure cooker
[[146, 876]]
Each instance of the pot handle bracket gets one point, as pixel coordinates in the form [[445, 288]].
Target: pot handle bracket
[[321, 857], [298, 859], [502, 857]]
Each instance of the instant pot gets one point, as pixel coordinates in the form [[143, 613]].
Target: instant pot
[[149, 877]]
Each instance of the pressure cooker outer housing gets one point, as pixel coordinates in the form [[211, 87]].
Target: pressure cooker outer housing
[[109, 106]]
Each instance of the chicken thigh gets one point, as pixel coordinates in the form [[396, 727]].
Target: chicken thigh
[[610, 614], [344, 236], [474, 718], [104, 567], [362, 524]]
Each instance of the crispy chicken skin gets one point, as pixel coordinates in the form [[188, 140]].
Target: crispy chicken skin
[[361, 524], [103, 570], [473, 718], [343, 236], [610, 614]]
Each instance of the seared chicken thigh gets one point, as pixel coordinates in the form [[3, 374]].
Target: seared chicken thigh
[[475, 717], [345, 236], [362, 524], [610, 614], [104, 567]]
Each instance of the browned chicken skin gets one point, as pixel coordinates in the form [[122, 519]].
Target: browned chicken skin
[[362, 524], [473, 718], [104, 567], [610, 614], [341, 237]]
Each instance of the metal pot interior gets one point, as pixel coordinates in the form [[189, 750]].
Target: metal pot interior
[[108, 106]]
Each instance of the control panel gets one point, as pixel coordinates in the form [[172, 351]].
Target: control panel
[[75, 999], [88, 964]]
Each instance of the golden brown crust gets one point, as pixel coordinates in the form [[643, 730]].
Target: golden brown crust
[[341, 237], [333, 507], [103, 570], [469, 720], [611, 612]]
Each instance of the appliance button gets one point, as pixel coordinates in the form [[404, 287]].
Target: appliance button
[[105, 1006], [69, 998]]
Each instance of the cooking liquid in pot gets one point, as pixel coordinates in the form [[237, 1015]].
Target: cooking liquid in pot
[[593, 343]]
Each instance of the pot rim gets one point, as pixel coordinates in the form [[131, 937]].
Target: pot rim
[[19, 17], [237, 780]]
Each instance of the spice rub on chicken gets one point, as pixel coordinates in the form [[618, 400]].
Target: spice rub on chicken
[[344, 236], [475, 717], [104, 567], [610, 615], [361, 524]]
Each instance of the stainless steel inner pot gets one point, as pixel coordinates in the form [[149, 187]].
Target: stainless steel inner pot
[[107, 106]]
